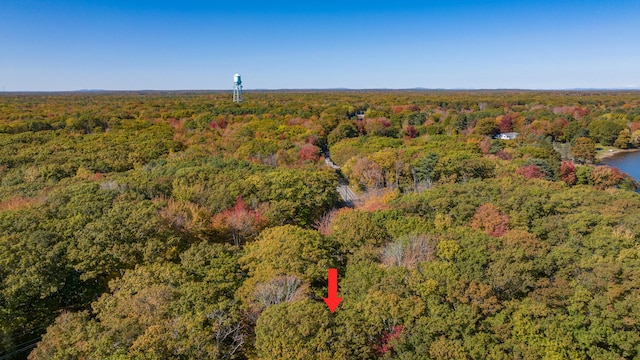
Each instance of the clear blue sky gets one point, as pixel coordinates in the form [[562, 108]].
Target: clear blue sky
[[200, 44]]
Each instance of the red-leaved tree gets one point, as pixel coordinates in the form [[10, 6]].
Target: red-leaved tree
[[506, 124], [308, 153], [240, 222], [411, 131], [384, 346], [568, 173], [530, 172]]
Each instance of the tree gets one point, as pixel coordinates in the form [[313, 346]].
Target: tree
[[461, 122], [298, 330], [289, 250], [635, 138], [462, 166], [353, 229], [606, 176], [558, 129], [424, 169], [367, 174], [159, 311], [391, 165], [308, 153], [240, 222], [416, 118], [568, 173], [293, 196], [605, 131], [515, 266], [489, 219], [344, 130], [624, 139], [379, 127], [68, 337], [279, 253], [411, 131], [409, 251], [486, 126], [279, 290], [530, 172], [506, 123], [583, 175], [584, 150], [543, 165], [128, 234]]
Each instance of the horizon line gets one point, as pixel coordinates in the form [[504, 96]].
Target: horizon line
[[322, 89]]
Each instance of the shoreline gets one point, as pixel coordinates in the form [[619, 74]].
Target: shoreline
[[610, 154]]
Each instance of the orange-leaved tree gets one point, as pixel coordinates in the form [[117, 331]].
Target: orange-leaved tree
[[490, 220]]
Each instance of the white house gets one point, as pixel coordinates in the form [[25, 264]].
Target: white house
[[507, 136]]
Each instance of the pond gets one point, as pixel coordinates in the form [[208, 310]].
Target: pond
[[628, 162]]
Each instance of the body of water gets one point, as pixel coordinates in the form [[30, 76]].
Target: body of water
[[628, 162]]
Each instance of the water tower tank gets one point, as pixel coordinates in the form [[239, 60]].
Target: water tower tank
[[237, 79]]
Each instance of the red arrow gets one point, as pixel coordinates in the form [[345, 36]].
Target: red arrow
[[332, 300]]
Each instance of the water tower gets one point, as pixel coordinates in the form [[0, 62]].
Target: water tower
[[237, 89]]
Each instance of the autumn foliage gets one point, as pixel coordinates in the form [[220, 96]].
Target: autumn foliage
[[568, 173], [385, 346], [411, 131], [182, 225], [530, 172], [240, 222], [607, 176], [506, 124], [490, 220], [308, 153]]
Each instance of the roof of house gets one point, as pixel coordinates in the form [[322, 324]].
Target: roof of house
[[509, 135]]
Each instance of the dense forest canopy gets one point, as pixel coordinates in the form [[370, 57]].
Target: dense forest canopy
[[156, 225]]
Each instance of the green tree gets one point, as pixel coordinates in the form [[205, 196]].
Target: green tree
[[584, 150], [293, 196], [127, 234], [158, 311], [424, 169], [284, 251], [486, 126], [353, 229], [635, 138], [604, 131], [298, 330], [583, 175], [624, 139], [463, 166], [344, 130]]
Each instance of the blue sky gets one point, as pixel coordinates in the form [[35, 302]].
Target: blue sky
[[198, 44]]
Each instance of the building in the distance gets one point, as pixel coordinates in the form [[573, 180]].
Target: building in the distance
[[507, 136]]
